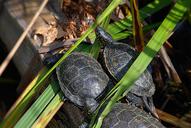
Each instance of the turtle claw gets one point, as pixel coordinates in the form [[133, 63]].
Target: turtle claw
[[91, 104], [84, 125], [148, 101], [64, 98]]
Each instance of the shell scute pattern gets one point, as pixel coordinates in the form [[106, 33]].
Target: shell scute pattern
[[127, 116], [118, 58], [144, 85], [69, 75], [94, 89], [81, 77], [76, 85]]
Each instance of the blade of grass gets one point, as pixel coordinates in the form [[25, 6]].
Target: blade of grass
[[23, 102], [107, 11], [83, 48], [105, 22], [49, 112], [122, 35], [125, 34], [118, 26], [162, 34], [145, 12], [38, 106], [20, 106], [112, 91], [95, 49]]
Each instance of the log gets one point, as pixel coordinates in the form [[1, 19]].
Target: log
[[15, 17]]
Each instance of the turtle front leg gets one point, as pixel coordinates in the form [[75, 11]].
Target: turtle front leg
[[84, 125], [64, 98], [51, 60], [148, 102], [91, 104]]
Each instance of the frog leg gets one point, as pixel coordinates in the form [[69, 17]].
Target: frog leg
[[148, 101]]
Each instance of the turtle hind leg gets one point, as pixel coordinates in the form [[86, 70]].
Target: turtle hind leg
[[134, 100], [51, 60], [84, 125], [91, 104], [148, 102], [64, 98]]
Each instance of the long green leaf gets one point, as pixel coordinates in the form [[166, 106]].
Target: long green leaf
[[38, 106], [23, 102], [49, 112], [107, 11], [143, 60], [145, 12], [125, 34]]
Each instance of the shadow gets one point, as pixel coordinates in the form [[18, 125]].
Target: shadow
[[2, 2], [150, 52], [8, 82]]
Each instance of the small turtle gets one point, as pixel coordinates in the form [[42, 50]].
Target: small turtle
[[118, 57], [82, 80], [128, 116]]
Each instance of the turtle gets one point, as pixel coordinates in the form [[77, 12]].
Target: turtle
[[82, 80], [124, 115], [117, 58]]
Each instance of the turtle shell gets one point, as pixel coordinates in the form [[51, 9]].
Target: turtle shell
[[118, 58], [128, 116], [81, 79]]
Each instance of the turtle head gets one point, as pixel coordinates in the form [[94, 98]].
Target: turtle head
[[104, 37]]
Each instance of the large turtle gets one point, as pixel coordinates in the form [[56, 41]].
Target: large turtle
[[127, 116], [117, 58], [82, 80]]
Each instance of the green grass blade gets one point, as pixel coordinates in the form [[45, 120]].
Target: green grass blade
[[37, 107], [107, 11], [145, 12], [106, 21], [143, 60], [22, 102], [125, 34], [49, 112], [83, 47], [95, 49], [122, 35]]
